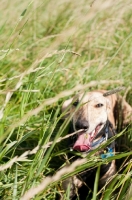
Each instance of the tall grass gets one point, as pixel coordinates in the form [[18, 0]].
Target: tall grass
[[49, 50]]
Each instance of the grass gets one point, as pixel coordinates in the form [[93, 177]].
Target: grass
[[49, 50]]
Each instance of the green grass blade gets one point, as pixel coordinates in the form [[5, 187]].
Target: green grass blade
[[95, 191]]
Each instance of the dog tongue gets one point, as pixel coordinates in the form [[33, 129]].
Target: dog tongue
[[81, 147], [82, 143]]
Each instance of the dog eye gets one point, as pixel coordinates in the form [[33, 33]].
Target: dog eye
[[99, 105], [75, 103]]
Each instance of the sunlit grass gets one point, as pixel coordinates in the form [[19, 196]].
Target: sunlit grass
[[48, 51]]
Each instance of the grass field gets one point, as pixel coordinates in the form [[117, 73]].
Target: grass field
[[49, 50]]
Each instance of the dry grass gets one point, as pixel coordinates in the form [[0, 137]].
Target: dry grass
[[50, 50]]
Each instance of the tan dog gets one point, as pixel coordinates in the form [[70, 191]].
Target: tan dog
[[93, 113], [96, 108]]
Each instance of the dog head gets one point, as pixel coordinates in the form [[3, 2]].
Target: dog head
[[89, 115]]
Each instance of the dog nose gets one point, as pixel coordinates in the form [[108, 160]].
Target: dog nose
[[82, 124]]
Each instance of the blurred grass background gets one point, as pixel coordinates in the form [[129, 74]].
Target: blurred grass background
[[49, 47]]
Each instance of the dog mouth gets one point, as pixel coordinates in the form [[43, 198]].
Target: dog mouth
[[84, 139]]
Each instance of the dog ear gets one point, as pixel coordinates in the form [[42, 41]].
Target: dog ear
[[121, 110], [66, 108], [125, 111]]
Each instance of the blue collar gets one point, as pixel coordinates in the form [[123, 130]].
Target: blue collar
[[107, 154], [104, 132]]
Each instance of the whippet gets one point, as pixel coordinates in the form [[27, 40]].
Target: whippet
[[95, 115]]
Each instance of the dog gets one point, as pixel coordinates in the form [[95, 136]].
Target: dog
[[96, 116]]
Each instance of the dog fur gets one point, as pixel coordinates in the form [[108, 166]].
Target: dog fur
[[115, 106], [90, 112]]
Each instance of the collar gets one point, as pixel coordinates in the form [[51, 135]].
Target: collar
[[107, 153]]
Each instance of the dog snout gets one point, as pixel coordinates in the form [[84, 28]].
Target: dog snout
[[82, 124]]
